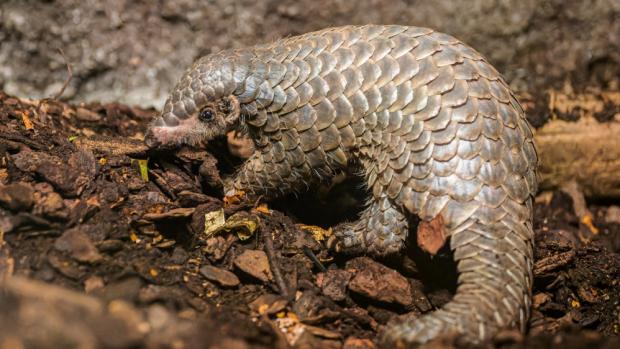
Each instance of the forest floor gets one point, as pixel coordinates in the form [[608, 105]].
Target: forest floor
[[103, 244]]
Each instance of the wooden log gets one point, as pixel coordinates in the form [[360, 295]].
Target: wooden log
[[586, 151]]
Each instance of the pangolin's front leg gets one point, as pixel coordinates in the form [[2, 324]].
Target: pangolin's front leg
[[270, 172]]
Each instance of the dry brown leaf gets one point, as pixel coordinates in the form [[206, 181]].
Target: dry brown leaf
[[432, 235], [234, 199], [26, 120], [262, 208]]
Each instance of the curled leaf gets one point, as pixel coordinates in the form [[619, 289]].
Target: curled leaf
[[214, 222], [241, 223], [318, 233], [244, 225]]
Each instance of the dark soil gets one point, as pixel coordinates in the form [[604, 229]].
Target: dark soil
[[75, 215]]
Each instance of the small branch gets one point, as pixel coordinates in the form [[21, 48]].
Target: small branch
[[69, 76], [317, 263], [275, 267]]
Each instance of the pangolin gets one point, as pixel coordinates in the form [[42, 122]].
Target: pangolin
[[435, 129]]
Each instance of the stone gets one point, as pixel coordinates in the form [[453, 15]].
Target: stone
[[333, 283], [16, 196], [78, 245], [220, 276], [93, 283], [613, 215], [254, 263], [357, 343], [378, 282]]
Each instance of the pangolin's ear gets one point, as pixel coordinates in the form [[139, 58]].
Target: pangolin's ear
[[229, 107]]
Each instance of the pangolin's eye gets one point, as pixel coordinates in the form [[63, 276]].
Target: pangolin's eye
[[206, 114]]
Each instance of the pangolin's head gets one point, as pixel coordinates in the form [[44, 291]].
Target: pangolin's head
[[201, 106]]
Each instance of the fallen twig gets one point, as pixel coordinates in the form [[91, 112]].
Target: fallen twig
[[69, 76], [275, 267]]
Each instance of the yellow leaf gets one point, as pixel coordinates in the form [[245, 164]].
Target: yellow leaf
[[318, 233], [72, 138], [214, 222], [244, 225], [103, 161], [153, 272], [143, 164]]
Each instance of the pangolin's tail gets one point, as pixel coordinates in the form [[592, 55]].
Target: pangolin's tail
[[494, 285]]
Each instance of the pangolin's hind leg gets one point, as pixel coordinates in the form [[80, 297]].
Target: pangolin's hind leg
[[381, 230]]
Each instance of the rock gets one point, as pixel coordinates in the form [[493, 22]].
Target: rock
[[179, 255], [158, 317], [334, 283], [218, 245], [268, 304], [254, 263], [220, 276], [539, 299], [110, 246], [357, 343], [308, 340], [65, 265], [49, 203], [127, 289], [419, 296], [231, 343], [79, 245], [93, 283], [314, 308], [45, 274], [440, 297], [557, 240], [321, 332], [16, 196], [7, 263], [378, 282], [613, 215], [84, 114], [69, 177], [190, 199], [155, 293]]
